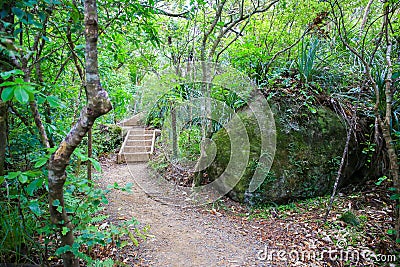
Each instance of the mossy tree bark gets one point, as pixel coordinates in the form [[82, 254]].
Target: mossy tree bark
[[98, 103]]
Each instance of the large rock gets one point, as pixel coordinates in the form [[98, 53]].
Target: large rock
[[308, 152]]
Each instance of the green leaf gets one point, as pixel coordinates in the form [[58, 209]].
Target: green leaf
[[96, 164], [19, 80], [313, 110], [139, 234], [40, 99], [29, 88], [51, 150], [64, 230], [396, 75], [104, 200], [53, 101], [40, 162], [59, 209], [62, 250], [30, 3], [7, 94], [36, 23], [12, 175], [7, 74], [34, 185], [134, 240], [2, 179], [380, 180], [8, 83], [80, 156], [42, 16], [56, 203], [23, 178], [18, 12], [391, 231], [21, 95], [395, 197], [34, 207]]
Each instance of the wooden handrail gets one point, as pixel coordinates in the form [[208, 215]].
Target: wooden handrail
[[153, 141], [123, 146]]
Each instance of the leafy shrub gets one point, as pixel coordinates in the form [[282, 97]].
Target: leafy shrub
[[28, 236]]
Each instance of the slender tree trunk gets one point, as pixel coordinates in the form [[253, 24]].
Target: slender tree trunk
[[382, 123], [27, 73], [174, 134], [35, 111], [385, 124], [98, 104], [342, 163], [47, 110], [6, 65], [365, 17], [3, 135], [89, 153], [39, 123]]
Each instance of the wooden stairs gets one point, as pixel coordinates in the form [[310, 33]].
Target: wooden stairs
[[138, 145]]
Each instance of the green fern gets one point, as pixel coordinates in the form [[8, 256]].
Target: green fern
[[99, 218]]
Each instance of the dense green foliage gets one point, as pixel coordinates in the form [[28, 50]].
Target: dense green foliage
[[312, 51]]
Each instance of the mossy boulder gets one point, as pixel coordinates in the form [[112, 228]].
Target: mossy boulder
[[309, 146]]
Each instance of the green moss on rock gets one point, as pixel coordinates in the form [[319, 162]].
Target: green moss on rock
[[308, 150]]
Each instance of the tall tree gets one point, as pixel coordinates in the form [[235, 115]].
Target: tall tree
[[98, 103], [5, 65], [369, 55]]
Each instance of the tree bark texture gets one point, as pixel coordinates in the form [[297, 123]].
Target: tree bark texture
[[89, 153], [6, 65], [386, 123], [98, 104], [39, 123], [3, 135]]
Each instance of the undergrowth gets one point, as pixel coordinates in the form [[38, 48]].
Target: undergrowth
[[27, 234]]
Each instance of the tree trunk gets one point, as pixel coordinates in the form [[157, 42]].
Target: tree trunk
[[89, 153], [6, 65], [39, 123], [3, 135], [174, 134], [98, 104], [385, 124], [365, 17]]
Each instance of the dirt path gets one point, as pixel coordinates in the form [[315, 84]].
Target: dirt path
[[181, 236]]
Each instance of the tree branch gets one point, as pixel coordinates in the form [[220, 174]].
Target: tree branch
[[98, 104]]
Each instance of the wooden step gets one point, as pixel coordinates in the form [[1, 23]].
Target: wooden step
[[132, 149], [140, 137], [138, 142], [138, 145], [140, 131]]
